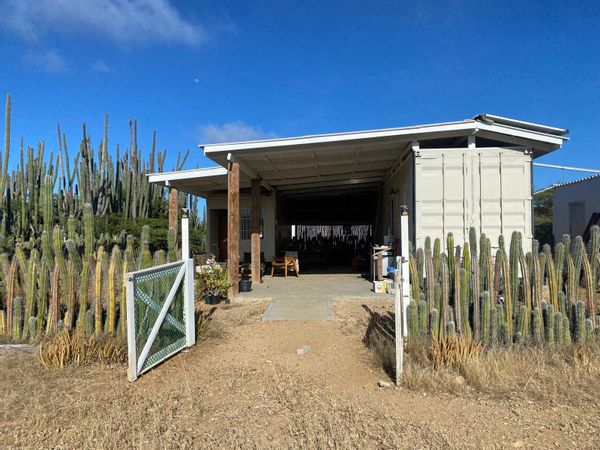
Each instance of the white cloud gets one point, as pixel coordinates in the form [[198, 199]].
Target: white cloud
[[100, 66], [125, 22], [48, 60], [232, 132]]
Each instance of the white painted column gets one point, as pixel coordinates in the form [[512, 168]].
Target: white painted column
[[185, 234], [398, 318], [189, 309], [404, 241], [132, 373]]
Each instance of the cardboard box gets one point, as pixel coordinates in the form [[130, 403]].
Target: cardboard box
[[379, 287]]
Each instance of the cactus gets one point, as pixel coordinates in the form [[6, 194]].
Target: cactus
[[436, 255], [429, 279], [100, 281], [413, 319], [578, 257], [115, 278], [434, 324], [450, 249], [83, 295], [458, 307], [423, 316], [451, 330], [594, 249], [89, 322], [17, 320], [559, 336], [559, 264], [420, 261], [548, 314], [590, 287], [515, 251], [88, 226], [485, 317], [473, 241], [476, 301], [566, 331], [464, 303], [579, 317], [523, 321], [414, 279], [494, 326], [30, 294], [552, 278], [445, 293], [538, 326], [571, 281], [502, 261]]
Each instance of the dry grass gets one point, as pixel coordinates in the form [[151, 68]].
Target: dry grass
[[64, 348], [533, 373]]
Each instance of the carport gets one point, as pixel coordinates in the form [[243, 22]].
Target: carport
[[451, 176]]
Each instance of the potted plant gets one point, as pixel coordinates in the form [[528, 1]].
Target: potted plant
[[215, 281]]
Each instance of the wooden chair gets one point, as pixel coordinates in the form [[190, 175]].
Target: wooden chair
[[284, 263]]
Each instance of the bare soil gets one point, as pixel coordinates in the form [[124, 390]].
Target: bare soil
[[246, 387]]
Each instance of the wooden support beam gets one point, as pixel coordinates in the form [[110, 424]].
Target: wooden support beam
[[233, 227], [255, 230]]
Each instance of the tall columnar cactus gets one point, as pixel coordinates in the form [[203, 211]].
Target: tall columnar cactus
[[434, 324], [538, 326], [476, 300], [42, 298], [100, 289], [445, 292], [115, 278], [413, 320], [457, 306], [549, 323], [515, 250], [571, 281], [579, 317], [578, 256], [464, 303], [502, 261], [559, 336], [450, 248], [83, 295], [552, 279], [436, 255], [414, 278], [537, 273], [17, 320], [88, 226], [494, 326], [559, 264], [594, 249], [423, 318], [451, 330], [429, 279], [523, 321], [590, 288], [485, 317], [526, 280], [473, 242], [30, 294], [420, 261]]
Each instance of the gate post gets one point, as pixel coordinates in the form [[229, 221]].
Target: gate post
[[130, 318], [404, 252], [189, 309], [185, 234]]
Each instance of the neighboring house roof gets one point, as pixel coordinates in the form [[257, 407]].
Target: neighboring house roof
[[569, 183]]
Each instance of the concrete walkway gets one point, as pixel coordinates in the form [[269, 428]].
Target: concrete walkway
[[308, 297]]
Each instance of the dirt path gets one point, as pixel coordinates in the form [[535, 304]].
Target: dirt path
[[251, 389]]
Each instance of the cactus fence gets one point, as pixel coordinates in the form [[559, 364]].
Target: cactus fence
[[510, 297]]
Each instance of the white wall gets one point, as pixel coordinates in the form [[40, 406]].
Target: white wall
[[397, 191], [216, 202], [587, 192]]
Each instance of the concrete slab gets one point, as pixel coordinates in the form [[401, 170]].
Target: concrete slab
[[308, 297]]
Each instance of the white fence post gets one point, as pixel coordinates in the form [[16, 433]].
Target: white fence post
[[132, 372], [185, 234], [189, 309], [404, 243], [398, 317]]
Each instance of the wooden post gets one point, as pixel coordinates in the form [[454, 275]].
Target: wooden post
[[255, 230], [233, 226]]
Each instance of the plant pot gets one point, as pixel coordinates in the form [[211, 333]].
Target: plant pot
[[245, 285], [212, 299]]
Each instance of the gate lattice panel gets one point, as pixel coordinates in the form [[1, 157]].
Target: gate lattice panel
[[160, 314]]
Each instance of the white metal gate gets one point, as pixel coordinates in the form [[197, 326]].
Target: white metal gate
[[160, 314]]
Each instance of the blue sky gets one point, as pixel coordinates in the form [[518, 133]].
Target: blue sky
[[208, 71]]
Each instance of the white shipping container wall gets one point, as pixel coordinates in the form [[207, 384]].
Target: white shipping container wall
[[485, 188]]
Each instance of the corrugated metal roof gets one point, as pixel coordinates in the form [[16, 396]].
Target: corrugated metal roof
[[581, 180]]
